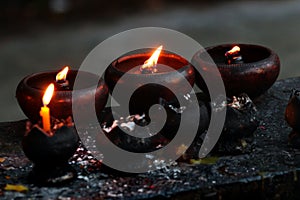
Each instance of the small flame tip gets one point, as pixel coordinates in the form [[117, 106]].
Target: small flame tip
[[233, 50], [62, 75], [152, 61]]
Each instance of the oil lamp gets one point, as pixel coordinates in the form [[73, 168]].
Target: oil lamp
[[245, 68], [161, 70], [30, 90], [49, 146], [292, 116]]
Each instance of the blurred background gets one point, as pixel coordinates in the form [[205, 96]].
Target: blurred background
[[39, 35]]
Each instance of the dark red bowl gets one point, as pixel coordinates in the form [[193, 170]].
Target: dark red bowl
[[292, 117], [257, 73], [292, 111], [31, 89], [164, 84]]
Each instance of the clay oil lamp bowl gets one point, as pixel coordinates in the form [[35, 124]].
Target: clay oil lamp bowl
[[245, 68], [49, 145], [292, 116], [160, 69], [30, 91]]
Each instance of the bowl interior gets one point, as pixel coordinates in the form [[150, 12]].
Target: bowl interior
[[41, 80], [249, 53], [137, 58]]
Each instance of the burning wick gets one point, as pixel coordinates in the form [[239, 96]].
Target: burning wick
[[233, 56], [149, 65], [45, 111], [61, 77]]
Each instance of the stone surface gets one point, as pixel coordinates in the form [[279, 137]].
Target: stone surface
[[269, 171]]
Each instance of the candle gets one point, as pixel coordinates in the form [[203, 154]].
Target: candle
[[233, 56], [45, 111], [61, 78]]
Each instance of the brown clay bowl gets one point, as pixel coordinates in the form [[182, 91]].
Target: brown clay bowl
[[164, 84], [31, 89], [257, 73], [292, 111]]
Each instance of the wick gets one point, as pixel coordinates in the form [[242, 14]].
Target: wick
[[234, 56], [148, 70], [47, 133], [63, 84]]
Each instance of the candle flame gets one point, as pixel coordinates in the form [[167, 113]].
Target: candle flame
[[62, 75], [152, 61], [234, 50], [48, 94]]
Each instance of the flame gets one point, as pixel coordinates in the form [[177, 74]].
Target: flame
[[234, 50], [62, 75], [48, 94], [152, 61]]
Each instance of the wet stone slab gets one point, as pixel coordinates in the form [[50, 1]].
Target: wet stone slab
[[270, 170]]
